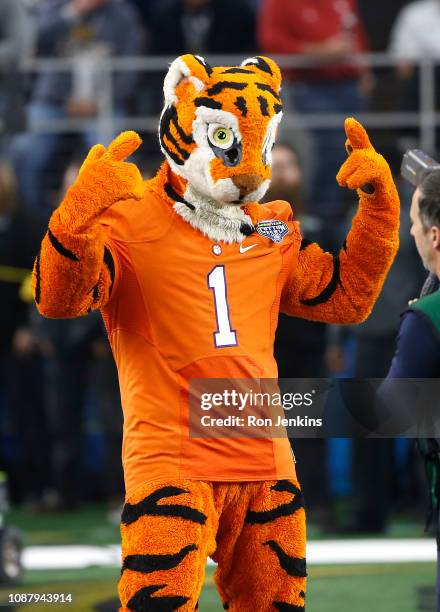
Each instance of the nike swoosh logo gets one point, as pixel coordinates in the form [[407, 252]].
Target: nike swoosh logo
[[244, 249]]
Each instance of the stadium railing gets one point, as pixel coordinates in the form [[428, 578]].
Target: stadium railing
[[426, 119]]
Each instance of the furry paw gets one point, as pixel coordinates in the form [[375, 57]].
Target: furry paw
[[364, 166]]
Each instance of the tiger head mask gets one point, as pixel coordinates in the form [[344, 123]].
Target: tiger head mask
[[217, 130]]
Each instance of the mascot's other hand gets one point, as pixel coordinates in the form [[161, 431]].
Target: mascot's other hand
[[104, 179], [364, 167]]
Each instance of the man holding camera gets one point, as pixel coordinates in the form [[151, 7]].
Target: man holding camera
[[418, 343]]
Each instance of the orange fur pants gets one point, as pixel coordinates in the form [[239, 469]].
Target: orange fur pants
[[255, 531]]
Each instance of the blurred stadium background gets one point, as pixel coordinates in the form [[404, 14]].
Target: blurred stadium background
[[76, 72]]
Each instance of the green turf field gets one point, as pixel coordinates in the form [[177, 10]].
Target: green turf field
[[382, 588], [404, 587]]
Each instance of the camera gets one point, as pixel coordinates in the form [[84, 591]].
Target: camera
[[416, 164]]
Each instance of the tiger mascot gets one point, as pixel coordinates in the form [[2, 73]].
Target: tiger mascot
[[190, 273]]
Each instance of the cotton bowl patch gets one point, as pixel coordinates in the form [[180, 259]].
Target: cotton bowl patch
[[273, 229]]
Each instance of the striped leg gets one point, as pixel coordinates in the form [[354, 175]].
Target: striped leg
[[263, 567], [168, 530]]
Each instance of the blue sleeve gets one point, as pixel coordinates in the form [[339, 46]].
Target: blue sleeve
[[418, 348]]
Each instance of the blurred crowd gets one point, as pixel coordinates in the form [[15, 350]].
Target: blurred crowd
[[60, 415]]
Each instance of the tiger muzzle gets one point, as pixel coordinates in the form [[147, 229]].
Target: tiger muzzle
[[247, 183]]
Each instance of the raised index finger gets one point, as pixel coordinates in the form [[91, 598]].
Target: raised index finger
[[356, 134], [123, 146]]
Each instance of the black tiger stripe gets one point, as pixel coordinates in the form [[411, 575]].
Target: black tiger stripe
[[268, 88], [294, 566], [149, 507], [208, 102], [302, 594], [247, 229], [344, 246], [221, 85], [240, 103], [277, 108], [285, 485], [165, 131], [184, 154], [204, 63], [264, 106], [108, 260], [186, 138], [153, 563], [237, 71], [266, 516], [305, 242], [143, 602], [263, 65], [226, 605], [178, 160], [96, 292], [286, 607], [60, 248], [38, 280], [171, 193], [326, 293]]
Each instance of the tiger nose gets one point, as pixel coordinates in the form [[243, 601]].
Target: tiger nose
[[246, 183]]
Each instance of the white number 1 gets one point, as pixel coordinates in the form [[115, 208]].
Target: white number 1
[[224, 336]]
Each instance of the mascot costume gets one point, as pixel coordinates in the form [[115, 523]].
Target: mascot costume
[[190, 273]]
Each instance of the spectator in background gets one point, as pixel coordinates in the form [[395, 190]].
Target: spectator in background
[[16, 44], [329, 31], [372, 460], [415, 36], [202, 27], [86, 31], [307, 361], [79, 367], [20, 236], [307, 337], [418, 342]]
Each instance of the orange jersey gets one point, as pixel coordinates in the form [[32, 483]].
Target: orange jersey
[[171, 283]]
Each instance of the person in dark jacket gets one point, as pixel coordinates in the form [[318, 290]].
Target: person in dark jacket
[[202, 27], [20, 235], [418, 343], [87, 32]]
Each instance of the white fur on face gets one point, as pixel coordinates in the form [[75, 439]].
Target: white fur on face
[[214, 214], [197, 167], [217, 222], [269, 139]]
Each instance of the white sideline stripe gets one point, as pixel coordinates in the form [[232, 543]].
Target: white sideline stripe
[[338, 552], [328, 552]]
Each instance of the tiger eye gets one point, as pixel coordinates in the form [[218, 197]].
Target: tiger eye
[[223, 137]]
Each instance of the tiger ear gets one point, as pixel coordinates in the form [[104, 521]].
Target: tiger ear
[[266, 66], [192, 67]]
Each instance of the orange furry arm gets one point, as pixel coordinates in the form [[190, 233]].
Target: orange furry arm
[[344, 288], [74, 271]]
